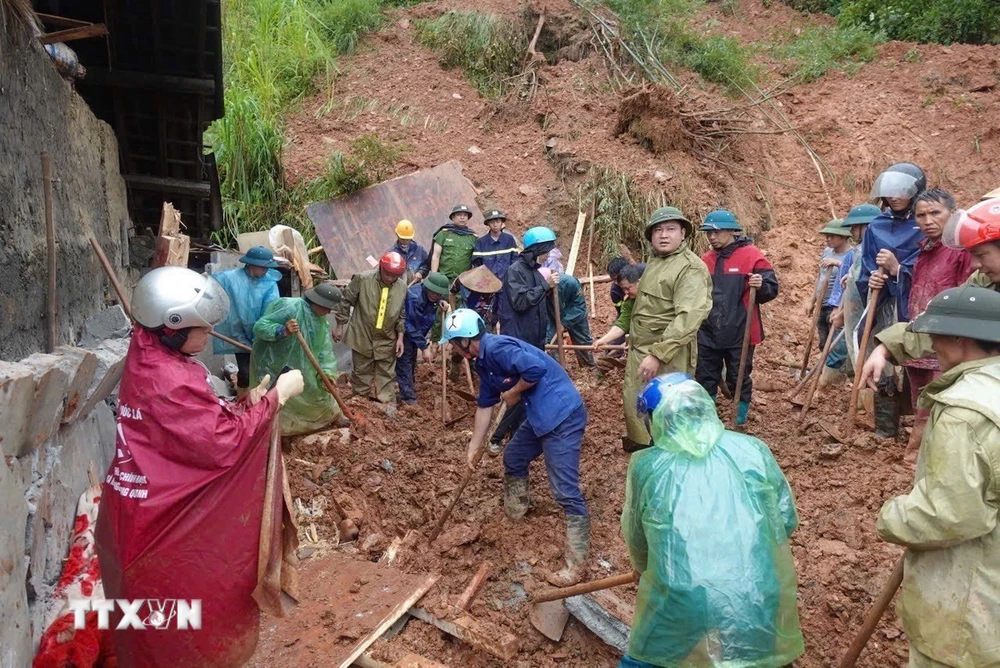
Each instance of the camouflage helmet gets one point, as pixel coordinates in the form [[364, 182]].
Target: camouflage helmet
[[665, 214]]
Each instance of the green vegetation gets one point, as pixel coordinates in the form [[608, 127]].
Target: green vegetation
[[620, 211], [819, 49], [666, 27], [936, 21], [488, 48], [275, 53]]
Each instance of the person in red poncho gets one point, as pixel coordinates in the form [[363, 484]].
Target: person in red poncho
[[181, 505]]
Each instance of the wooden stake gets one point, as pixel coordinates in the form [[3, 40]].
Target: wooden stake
[[817, 310], [444, 378], [356, 419], [812, 372], [469, 595], [559, 328], [574, 249], [50, 246], [110, 273], [751, 309], [852, 408], [593, 300], [874, 615]]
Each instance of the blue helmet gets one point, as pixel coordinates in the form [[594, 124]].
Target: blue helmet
[[462, 323], [862, 214], [654, 391], [538, 235], [720, 219]]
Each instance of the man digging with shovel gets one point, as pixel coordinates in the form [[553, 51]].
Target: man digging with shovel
[[513, 371]]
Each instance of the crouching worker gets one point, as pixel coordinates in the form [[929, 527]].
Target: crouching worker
[[514, 371], [276, 347], [423, 303], [707, 597], [186, 466], [951, 573]]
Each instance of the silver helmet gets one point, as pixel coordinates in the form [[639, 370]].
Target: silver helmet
[[178, 298]]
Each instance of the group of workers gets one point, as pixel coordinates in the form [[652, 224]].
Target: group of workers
[[718, 593]]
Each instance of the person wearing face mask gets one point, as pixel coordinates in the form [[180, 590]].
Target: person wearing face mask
[[523, 307], [182, 502], [736, 266], [674, 298]]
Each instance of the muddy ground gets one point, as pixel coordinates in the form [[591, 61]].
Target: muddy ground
[[930, 104]]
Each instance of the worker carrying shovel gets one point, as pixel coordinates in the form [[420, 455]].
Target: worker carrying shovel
[[375, 328], [276, 346], [674, 297], [182, 501], [719, 595], [736, 266], [513, 371], [951, 571]]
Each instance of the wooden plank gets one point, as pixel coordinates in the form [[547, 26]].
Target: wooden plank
[[390, 618], [356, 226], [481, 635], [248, 240], [71, 34], [62, 20], [168, 185], [172, 246], [574, 250], [469, 595]]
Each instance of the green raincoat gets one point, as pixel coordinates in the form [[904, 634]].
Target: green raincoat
[[950, 598], [315, 408], [905, 346], [707, 518], [378, 316], [675, 296]]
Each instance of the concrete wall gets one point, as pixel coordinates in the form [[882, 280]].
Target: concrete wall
[[39, 111], [57, 419]]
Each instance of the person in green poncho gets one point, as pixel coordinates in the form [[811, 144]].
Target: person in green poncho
[[573, 314], [276, 346], [707, 519], [674, 298]]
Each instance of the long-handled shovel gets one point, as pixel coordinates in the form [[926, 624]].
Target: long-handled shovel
[[358, 423], [817, 310], [852, 408], [549, 615], [559, 328], [444, 377], [819, 374], [467, 477], [751, 308], [874, 615]]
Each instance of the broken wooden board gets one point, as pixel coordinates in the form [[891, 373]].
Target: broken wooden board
[[476, 633], [363, 223], [172, 246], [606, 615], [574, 248], [346, 606]]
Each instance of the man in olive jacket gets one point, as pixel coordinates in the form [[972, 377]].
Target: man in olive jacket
[[949, 520], [375, 328], [674, 298]]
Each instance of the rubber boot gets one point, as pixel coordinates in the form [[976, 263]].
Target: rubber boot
[[577, 552], [515, 497], [742, 411], [886, 416], [628, 445]]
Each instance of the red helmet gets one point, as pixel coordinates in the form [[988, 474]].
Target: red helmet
[[979, 225], [393, 263]]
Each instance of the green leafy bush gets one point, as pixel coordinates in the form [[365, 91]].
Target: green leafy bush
[[818, 49], [938, 21]]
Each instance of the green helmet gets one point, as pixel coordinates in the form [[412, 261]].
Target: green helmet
[[862, 214], [436, 282], [664, 214], [967, 311], [720, 219], [836, 226]]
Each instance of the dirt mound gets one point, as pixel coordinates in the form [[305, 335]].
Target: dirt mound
[[656, 117]]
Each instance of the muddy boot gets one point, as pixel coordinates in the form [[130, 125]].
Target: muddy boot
[[886, 416], [628, 445], [577, 552], [515, 497], [742, 413]]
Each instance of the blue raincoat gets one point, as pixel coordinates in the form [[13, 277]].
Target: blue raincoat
[[707, 518], [248, 299], [901, 236]]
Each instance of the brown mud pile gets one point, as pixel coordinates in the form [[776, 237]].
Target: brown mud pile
[[930, 104]]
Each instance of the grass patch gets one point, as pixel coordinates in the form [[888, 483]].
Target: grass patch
[[937, 21], [487, 47], [370, 160], [621, 210], [818, 49]]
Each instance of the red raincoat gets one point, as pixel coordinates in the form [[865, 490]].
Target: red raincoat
[[181, 509], [937, 269]]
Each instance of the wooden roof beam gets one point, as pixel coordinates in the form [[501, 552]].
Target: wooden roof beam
[[168, 185], [148, 81]]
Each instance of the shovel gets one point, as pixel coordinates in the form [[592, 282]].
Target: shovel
[[462, 394], [358, 423], [549, 615]]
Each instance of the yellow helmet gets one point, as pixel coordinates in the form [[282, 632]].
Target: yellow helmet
[[404, 229]]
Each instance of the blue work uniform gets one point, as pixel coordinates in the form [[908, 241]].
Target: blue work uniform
[[495, 254], [421, 314], [556, 416], [838, 354], [902, 236], [415, 255]]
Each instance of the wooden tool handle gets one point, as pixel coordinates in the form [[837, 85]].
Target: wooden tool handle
[[859, 363], [827, 347], [607, 346], [327, 383], [557, 593], [559, 328], [103, 259], [751, 304], [874, 615]]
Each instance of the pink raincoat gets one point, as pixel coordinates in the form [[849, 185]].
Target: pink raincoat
[[181, 510]]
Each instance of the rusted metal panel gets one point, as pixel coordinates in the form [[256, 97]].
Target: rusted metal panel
[[363, 224]]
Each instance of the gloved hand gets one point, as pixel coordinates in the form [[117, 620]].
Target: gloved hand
[[257, 392], [288, 385]]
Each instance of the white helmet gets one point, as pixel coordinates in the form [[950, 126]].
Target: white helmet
[[178, 298]]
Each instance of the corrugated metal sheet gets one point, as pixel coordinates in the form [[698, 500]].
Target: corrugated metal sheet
[[354, 227]]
